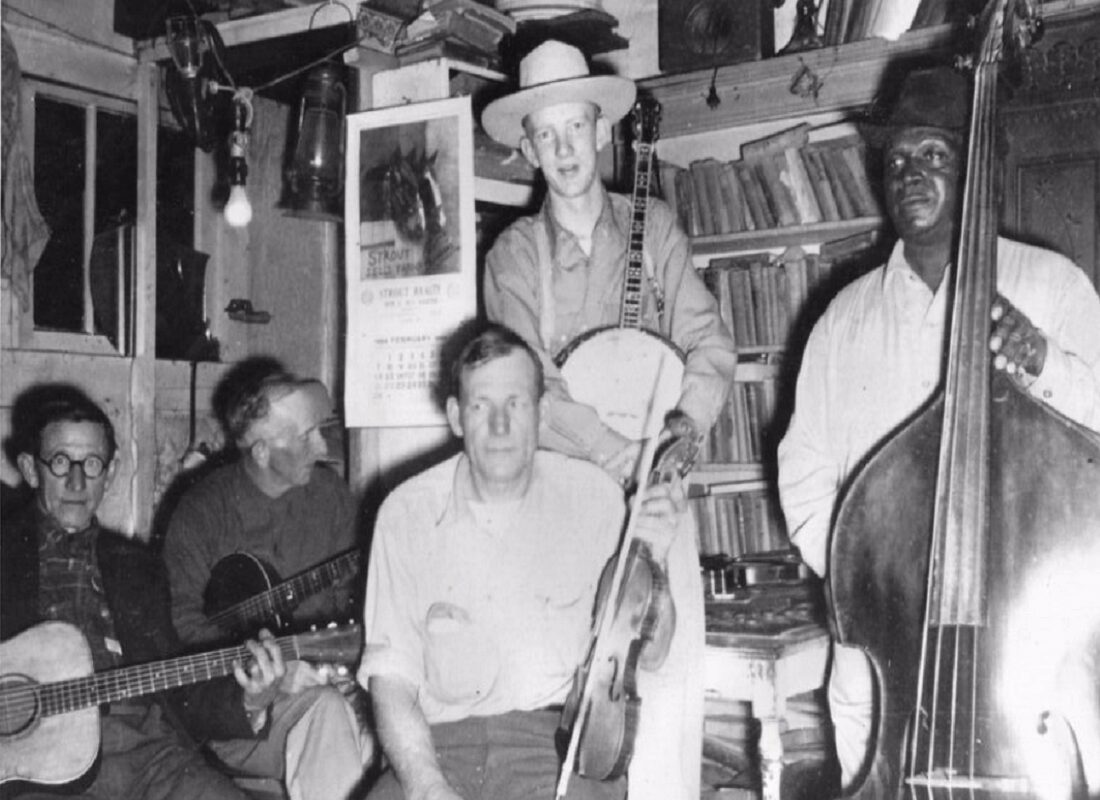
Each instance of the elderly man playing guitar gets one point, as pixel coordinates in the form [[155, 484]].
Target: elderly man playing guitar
[[285, 510]]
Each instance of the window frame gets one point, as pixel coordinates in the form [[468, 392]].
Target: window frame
[[27, 336]]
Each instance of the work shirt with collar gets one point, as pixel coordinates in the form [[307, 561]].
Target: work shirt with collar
[[876, 356], [487, 608], [587, 292]]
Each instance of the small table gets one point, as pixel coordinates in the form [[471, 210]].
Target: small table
[[764, 669]]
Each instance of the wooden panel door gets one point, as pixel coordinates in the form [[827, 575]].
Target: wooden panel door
[[1052, 132]]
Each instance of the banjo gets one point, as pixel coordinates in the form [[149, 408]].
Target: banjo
[[614, 368]]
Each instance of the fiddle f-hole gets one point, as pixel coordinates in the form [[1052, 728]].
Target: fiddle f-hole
[[20, 705]]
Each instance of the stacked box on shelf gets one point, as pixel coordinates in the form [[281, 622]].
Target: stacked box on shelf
[[734, 524], [781, 181]]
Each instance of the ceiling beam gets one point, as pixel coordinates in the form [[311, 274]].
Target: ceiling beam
[[310, 16]]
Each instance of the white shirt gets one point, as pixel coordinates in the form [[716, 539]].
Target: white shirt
[[876, 355]]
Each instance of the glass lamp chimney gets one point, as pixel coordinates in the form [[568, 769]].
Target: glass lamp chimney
[[316, 170]]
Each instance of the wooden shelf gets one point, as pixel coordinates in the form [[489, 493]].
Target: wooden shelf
[[772, 238], [849, 77]]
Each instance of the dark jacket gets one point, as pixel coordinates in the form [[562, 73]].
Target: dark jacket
[[136, 585]]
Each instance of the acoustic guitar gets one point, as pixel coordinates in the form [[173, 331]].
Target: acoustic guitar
[[244, 593], [614, 368], [49, 720]]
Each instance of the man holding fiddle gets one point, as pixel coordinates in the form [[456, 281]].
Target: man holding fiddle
[[480, 592]]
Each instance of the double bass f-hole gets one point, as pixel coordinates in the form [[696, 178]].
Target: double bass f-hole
[[635, 623]]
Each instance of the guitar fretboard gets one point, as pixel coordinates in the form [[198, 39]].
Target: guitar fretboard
[[630, 313], [72, 695], [285, 597]]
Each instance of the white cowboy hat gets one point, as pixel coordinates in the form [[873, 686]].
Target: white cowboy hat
[[554, 73]]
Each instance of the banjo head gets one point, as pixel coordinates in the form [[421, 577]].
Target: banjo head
[[617, 370]]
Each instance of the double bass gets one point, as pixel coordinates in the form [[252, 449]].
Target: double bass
[[966, 555]]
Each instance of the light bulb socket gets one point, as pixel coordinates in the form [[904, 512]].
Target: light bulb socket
[[238, 171]]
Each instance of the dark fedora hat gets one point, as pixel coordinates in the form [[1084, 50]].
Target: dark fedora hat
[[937, 97]]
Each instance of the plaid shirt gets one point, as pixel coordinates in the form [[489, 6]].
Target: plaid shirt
[[71, 588]]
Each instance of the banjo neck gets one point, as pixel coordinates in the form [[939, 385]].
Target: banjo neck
[[646, 114]]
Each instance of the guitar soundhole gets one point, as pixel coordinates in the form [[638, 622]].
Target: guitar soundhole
[[19, 704]]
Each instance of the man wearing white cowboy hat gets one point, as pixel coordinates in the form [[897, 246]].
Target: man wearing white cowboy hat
[[875, 356], [576, 246]]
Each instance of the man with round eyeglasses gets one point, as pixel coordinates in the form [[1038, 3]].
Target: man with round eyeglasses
[[59, 564]]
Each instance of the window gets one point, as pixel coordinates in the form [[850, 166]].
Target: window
[[85, 173]]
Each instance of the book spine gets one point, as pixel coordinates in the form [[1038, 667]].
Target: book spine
[[741, 209], [754, 195], [779, 200], [700, 197], [793, 174], [853, 155], [691, 217], [811, 158]]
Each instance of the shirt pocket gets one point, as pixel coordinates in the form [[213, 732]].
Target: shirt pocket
[[461, 657]]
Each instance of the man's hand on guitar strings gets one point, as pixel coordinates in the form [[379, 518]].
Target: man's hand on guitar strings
[[263, 676]]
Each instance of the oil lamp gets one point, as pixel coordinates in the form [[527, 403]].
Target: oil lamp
[[316, 170]]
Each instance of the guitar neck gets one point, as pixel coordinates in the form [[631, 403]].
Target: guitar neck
[[63, 697], [284, 598], [630, 313]]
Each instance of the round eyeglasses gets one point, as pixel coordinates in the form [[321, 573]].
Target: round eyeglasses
[[60, 465]]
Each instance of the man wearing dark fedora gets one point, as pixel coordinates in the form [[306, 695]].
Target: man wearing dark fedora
[[558, 274], [876, 355]]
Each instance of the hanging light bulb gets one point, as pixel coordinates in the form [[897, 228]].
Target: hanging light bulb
[[316, 170], [238, 211]]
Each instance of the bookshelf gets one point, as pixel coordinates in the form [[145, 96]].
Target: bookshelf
[[766, 229], [732, 490]]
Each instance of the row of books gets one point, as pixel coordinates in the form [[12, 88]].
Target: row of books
[[740, 434], [781, 181], [760, 295], [734, 524]]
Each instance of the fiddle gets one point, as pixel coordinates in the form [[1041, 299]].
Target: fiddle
[[636, 619]]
